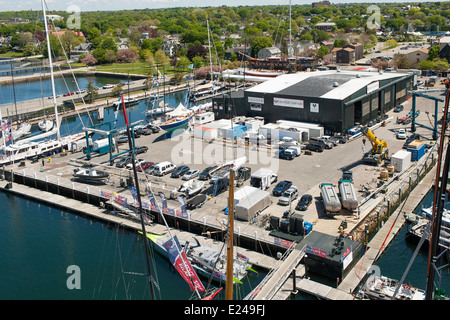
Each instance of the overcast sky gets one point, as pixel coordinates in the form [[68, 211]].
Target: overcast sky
[[101, 5]]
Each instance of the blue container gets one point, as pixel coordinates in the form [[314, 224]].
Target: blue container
[[308, 227], [417, 153]]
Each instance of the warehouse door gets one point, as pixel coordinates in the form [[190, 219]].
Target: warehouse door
[[358, 112]]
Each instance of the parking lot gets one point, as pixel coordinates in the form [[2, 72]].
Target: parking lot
[[306, 172]]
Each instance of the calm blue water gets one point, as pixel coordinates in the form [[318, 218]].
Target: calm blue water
[[38, 89], [39, 244]]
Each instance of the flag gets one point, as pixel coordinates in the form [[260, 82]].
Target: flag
[[164, 202], [179, 260], [188, 76], [133, 192], [183, 207], [121, 200], [191, 66], [153, 204], [105, 194]]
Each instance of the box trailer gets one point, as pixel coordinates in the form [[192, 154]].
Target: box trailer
[[263, 178], [252, 205]]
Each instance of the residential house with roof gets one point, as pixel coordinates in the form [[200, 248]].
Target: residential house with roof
[[416, 56]]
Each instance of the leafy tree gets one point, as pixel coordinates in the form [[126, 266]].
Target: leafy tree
[[89, 60], [69, 41], [339, 43], [323, 50], [127, 55], [91, 90], [433, 53], [260, 43], [196, 51], [109, 44]]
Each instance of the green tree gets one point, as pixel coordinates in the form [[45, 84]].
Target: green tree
[[91, 90], [260, 43], [433, 53], [109, 44], [323, 50]]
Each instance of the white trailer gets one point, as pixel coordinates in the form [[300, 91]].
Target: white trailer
[[252, 205], [263, 178]]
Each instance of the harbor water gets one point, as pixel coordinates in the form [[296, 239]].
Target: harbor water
[[40, 243]]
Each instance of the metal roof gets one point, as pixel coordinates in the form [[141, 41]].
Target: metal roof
[[331, 84]]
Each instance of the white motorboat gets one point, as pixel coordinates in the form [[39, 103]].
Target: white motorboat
[[192, 187], [22, 130], [445, 215], [45, 125], [90, 175]]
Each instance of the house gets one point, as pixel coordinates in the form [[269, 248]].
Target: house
[[170, 47], [414, 57], [269, 52], [444, 52], [345, 55], [325, 26], [82, 48], [358, 47]]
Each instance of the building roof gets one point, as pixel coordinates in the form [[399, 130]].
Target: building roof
[[331, 84]]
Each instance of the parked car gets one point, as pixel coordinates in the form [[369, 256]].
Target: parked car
[[179, 171], [150, 169], [315, 147], [80, 91], [288, 196], [144, 165], [329, 139], [304, 202], [141, 149], [401, 134], [108, 86], [191, 174], [204, 175], [281, 187], [398, 108], [138, 162], [143, 131], [68, 94], [402, 120], [123, 161], [340, 139], [153, 128]]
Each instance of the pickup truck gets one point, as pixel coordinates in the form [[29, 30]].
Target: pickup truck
[[286, 154]]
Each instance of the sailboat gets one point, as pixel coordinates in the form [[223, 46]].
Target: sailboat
[[30, 147], [45, 125], [178, 119]]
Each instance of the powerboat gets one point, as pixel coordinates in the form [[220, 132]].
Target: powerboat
[[90, 175], [192, 187]]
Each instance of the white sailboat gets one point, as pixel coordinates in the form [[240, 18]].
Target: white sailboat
[[45, 125]]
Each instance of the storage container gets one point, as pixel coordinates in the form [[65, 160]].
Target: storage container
[[401, 160]]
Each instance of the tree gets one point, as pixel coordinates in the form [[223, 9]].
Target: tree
[[196, 51], [160, 57], [339, 43], [433, 52], [89, 60], [117, 89], [323, 50], [260, 43], [69, 41], [109, 44], [400, 61], [127, 55], [91, 90]]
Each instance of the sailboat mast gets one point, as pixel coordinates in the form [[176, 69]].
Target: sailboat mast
[[230, 235], [51, 68], [290, 30], [144, 233], [14, 89], [437, 212], [210, 57]]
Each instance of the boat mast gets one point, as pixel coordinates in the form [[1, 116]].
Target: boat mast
[[437, 212], [290, 31], [230, 235], [51, 69], [14, 90], [210, 58], [136, 183]]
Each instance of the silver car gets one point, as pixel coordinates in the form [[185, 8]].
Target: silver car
[[288, 196]]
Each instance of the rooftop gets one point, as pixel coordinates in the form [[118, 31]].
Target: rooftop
[[324, 84]]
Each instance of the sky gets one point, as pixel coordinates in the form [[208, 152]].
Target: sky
[[102, 5]]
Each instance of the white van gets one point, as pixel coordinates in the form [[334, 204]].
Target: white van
[[163, 168]]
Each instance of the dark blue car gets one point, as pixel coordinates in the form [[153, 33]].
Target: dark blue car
[[180, 171], [281, 187]]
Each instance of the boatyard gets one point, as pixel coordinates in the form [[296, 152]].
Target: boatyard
[[365, 231]]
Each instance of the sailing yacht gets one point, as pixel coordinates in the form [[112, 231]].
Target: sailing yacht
[[45, 125]]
